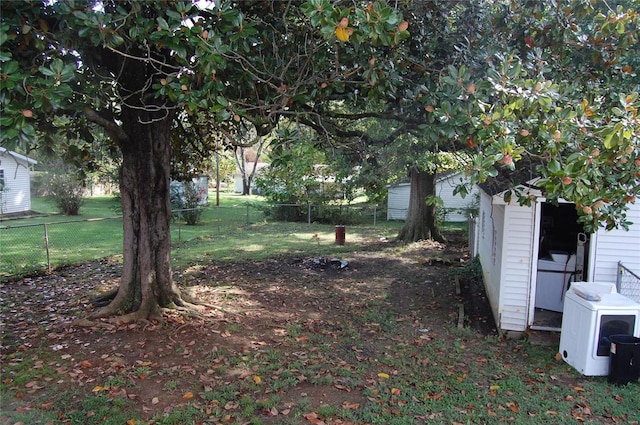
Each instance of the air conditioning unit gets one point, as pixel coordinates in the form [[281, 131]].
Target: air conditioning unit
[[592, 313]]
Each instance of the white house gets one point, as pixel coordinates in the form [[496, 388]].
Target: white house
[[531, 254], [455, 206], [237, 175], [15, 185]]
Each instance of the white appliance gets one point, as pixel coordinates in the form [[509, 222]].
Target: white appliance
[[592, 313], [554, 275]]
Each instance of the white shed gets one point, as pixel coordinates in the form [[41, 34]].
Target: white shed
[[531, 254], [15, 184], [455, 206]]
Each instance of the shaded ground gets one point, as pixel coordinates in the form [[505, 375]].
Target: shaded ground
[[288, 340]]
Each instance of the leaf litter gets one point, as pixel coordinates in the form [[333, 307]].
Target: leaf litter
[[345, 334]]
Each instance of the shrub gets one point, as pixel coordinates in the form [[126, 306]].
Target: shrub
[[65, 192], [185, 202]]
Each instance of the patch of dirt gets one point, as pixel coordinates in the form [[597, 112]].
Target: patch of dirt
[[254, 306]]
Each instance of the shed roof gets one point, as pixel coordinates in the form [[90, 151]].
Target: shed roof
[[523, 175], [439, 177], [17, 156]]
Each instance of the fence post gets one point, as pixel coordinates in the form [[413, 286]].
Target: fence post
[[375, 215], [619, 277], [308, 213], [179, 225], [46, 247]]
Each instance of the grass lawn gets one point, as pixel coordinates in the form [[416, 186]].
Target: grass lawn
[[216, 234]]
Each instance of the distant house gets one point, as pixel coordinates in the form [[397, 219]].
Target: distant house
[[456, 207], [15, 184], [237, 175], [201, 184]]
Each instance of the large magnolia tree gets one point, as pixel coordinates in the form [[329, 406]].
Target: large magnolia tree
[[561, 98], [131, 66]]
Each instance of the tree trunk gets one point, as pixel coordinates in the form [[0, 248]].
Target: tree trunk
[[147, 284], [421, 223], [246, 185]]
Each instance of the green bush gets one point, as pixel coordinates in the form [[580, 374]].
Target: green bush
[[185, 202], [65, 192]]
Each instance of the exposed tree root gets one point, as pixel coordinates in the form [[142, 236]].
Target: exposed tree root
[[186, 304], [86, 323], [104, 299]]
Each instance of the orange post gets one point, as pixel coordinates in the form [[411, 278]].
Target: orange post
[[341, 232]]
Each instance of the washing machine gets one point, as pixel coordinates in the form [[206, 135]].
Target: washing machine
[[592, 313], [553, 277]]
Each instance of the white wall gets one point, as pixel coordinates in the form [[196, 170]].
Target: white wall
[[608, 247], [491, 217], [398, 201], [455, 205], [17, 194], [516, 268]]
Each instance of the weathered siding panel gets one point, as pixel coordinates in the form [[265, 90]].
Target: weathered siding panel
[[617, 245], [489, 238], [517, 251]]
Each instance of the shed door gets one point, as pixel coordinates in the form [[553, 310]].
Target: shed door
[[562, 258]]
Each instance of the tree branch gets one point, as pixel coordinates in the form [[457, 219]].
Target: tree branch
[[113, 130]]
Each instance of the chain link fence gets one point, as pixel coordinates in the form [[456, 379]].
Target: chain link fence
[[28, 248], [32, 247], [628, 283]]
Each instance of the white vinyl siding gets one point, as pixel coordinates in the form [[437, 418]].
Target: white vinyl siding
[[517, 251], [454, 205], [490, 219], [16, 196], [398, 201], [609, 247]]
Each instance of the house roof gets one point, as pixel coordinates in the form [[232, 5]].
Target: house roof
[[17, 156], [439, 177]]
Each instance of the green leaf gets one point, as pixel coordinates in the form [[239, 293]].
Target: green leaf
[[554, 166], [222, 101], [162, 23], [174, 15]]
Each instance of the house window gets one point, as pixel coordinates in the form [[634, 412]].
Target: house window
[[1, 180]]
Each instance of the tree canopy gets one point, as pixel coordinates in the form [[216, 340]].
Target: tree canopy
[[132, 67]]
